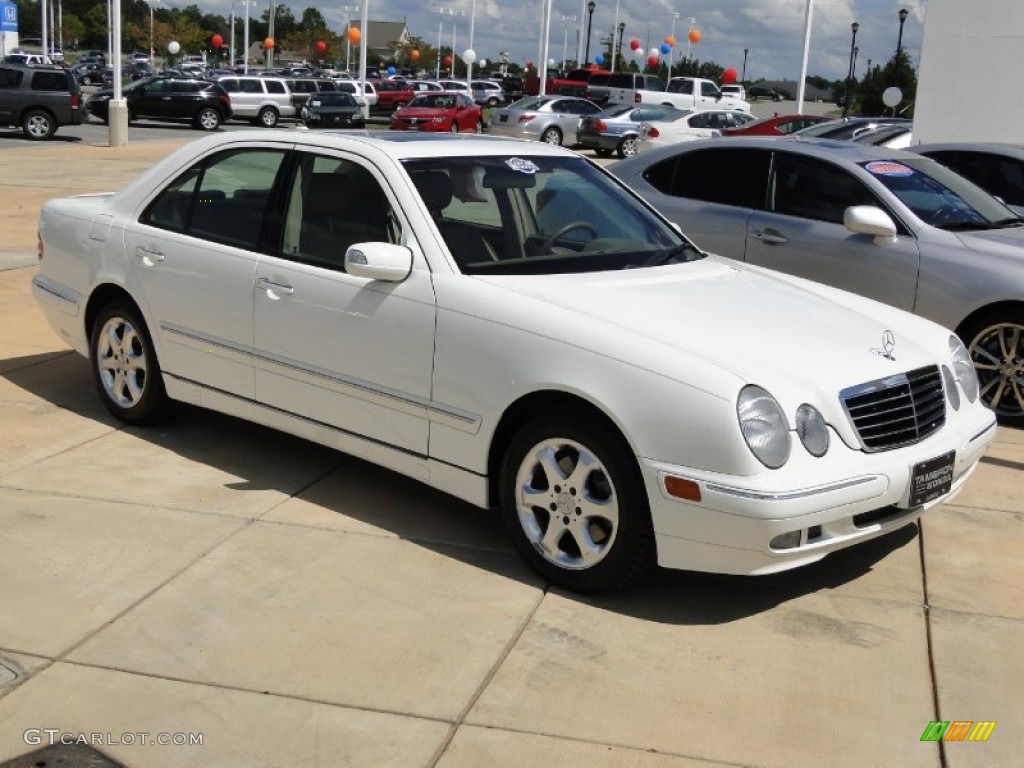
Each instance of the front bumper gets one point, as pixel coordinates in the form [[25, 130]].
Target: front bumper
[[731, 528]]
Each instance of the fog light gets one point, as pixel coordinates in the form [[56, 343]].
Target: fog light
[[786, 540]]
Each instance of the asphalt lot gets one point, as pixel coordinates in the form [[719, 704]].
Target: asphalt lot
[[297, 606]]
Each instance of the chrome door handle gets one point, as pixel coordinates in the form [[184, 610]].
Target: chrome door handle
[[149, 256], [282, 289], [770, 237]]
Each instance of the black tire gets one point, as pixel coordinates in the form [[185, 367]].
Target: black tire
[[551, 136], [455, 127], [38, 125], [601, 152], [124, 365], [990, 340], [267, 117], [619, 551], [627, 147], [207, 119]]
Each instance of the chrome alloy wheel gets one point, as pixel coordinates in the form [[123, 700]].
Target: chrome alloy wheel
[[122, 362], [998, 355], [566, 504]]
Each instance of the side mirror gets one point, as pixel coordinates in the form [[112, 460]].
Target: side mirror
[[870, 220], [379, 261]]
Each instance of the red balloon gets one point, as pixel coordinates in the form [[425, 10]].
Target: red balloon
[[447, 61], [529, 65], [652, 61], [729, 76], [217, 41], [321, 46], [634, 44]]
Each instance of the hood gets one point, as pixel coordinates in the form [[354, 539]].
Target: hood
[[428, 112], [786, 334], [1011, 239]]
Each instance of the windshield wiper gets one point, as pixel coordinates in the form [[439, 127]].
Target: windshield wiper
[[687, 249], [962, 226], [1010, 221]]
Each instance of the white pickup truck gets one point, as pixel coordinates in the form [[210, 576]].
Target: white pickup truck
[[682, 92]]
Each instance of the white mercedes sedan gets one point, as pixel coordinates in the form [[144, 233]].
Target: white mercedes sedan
[[506, 322]]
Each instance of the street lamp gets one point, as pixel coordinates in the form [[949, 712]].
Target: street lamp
[[152, 50], [743, 77], [622, 31], [671, 53], [565, 36], [899, 43], [849, 75], [590, 20]]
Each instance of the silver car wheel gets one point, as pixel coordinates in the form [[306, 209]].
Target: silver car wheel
[[566, 503], [551, 136], [627, 147], [998, 355], [121, 362], [37, 125], [209, 120]]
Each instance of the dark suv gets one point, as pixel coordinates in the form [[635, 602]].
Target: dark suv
[[38, 99], [206, 104]]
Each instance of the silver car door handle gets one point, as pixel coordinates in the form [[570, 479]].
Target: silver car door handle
[[282, 289], [149, 256], [771, 237]]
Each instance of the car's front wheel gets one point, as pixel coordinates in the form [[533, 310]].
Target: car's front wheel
[[267, 117], [551, 136], [996, 345], [38, 125], [124, 364], [208, 119], [573, 499]]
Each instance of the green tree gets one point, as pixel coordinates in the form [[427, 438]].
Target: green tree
[[868, 97]]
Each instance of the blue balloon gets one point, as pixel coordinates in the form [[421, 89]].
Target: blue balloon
[[599, 59], [391, 70], [666, 49]]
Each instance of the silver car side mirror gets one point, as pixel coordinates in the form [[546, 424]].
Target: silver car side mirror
[[870, 220], [379, 261]]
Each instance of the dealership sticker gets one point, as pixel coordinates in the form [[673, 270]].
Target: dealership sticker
[[521, 165], [888, 168]]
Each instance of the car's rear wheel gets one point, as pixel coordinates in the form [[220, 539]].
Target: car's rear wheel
[[627, 147], [38, 125], [479, 126], [124, 364], [267, 117], [551, 136], [996, 345], [601, 152], [208, 119], [574, 502], [492, 102], [455, 126]]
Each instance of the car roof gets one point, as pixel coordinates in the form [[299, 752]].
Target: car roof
[[999, 148]]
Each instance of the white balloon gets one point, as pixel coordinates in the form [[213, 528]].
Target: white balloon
[[173, 47], [482, 63], [655, 52], [551, 62], [640, 53], [469, 55]]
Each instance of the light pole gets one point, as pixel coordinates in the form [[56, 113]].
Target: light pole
[[618, 48], [849, 76], [590, 20], [151, 48], [743, 77], [689, 42], [615, 27], [440, 29], [899, 43], [671, 53], [347, 10], [565, 36]]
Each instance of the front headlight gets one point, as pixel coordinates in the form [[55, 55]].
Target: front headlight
[[438, 119], [963, 368], [810, 426], [764, 426]]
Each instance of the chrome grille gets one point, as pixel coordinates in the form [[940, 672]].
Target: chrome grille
[[897, 410]]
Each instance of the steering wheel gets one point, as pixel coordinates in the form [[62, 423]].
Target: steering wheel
[[550, 240]]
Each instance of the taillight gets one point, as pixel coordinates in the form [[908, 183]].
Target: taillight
[[526, 118], [600, 126], [75, 101], [224, 99], [636, 97], [651, 132]]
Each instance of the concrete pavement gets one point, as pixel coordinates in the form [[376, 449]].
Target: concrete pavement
[[291, 605]]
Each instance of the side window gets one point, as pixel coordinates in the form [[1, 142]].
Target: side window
[[725, 176], [229, 84], [49, 81], [334, 203], [274, 86], [708, 89], [654, 83], [223, 199], [1000, 176], [661, 175], [10, 78], [813, 189], [251, 86]]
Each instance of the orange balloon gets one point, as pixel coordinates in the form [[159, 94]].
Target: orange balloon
[[354, 35], [670, 40], [694, 36], [268, 43], [415, 55]]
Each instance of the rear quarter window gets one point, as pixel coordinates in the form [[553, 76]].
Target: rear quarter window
[[50, 81]]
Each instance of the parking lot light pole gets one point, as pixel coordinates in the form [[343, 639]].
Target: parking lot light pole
[[848, 97], [590, 20], [743, 77], [899, 44]]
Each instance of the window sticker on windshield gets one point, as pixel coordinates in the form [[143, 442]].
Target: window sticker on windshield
[[523, 166], [888, 168]]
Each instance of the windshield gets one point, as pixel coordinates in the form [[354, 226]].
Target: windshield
[[434, 101], [332, 99], [938, 196], [541, 215]]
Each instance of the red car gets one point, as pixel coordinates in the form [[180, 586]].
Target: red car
[[392, 94], [780, 125], [439, 111]]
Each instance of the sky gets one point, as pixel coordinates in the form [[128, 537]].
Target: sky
[[772, 31]]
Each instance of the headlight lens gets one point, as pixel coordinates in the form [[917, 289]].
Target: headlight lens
[[764, 426], [963, 368], [810, 426], [952, 390]]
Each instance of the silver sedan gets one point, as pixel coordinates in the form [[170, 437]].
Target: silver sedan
[[551, 119], [884, 223]]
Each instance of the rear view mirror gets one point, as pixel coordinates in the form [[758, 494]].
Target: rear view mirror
[[870, 220], [379, 261]]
